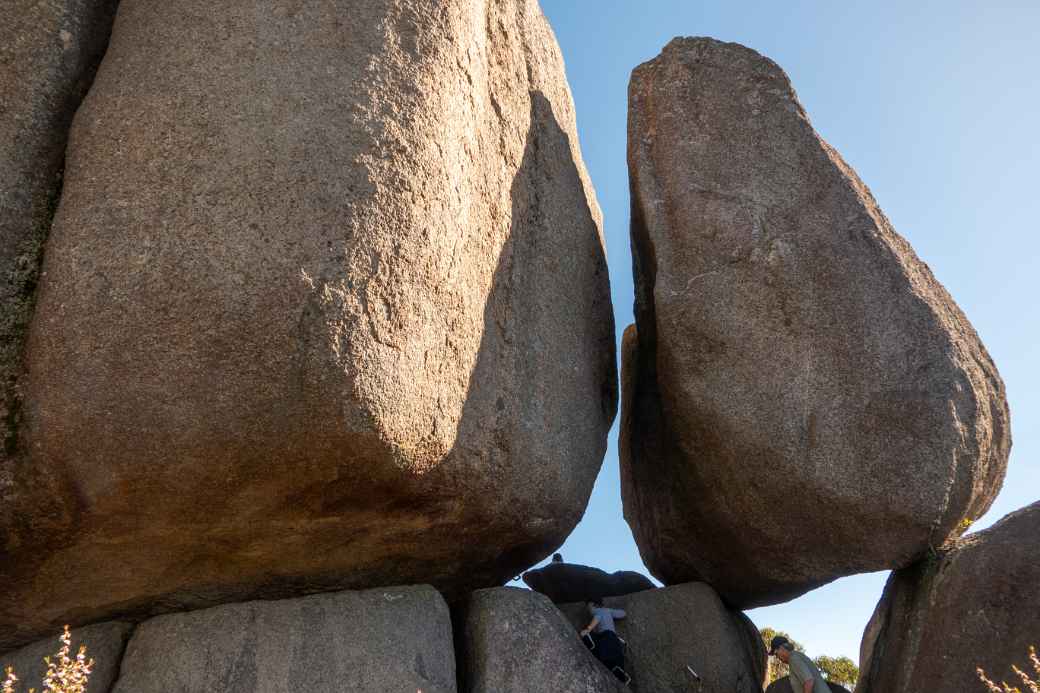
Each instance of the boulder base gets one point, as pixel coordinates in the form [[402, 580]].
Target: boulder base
[[516, 641], [672, 628], [977, 604], [390, 639]]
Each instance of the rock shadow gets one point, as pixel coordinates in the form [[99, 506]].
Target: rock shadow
[[543, 392]]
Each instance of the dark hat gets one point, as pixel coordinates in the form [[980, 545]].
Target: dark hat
[[778, 642]]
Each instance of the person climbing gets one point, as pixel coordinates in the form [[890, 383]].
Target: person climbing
[[601, 637], [805, 676], [557, 558]]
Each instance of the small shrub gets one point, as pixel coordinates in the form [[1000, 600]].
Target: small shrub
[[64, 674], [1032, 685]]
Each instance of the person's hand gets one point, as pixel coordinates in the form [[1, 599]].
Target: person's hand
[[584, 632]]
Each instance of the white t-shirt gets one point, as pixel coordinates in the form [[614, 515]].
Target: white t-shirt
[[606, 617]]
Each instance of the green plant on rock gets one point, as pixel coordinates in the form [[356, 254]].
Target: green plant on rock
[[1032, 685], [65, 674]]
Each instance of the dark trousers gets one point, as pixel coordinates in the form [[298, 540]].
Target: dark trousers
[[609, 649]]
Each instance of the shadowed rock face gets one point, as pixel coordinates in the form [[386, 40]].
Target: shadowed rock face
[[515, 640], [569, 582], [977, 604], [48, 53], [803, 400], [391, 639], [684, 625], [326, 305]]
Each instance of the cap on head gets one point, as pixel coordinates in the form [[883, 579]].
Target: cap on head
[[778, 642]]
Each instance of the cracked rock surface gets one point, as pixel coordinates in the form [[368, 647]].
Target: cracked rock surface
[[325, 306], [802, 399]]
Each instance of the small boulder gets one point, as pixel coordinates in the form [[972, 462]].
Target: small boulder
[[976, 604], [105, 643], [670, 629], [570, 582], [390, 639], [516, 641], [803, 399]]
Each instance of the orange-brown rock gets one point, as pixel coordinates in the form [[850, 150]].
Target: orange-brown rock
[[803, 399], [325, 306]]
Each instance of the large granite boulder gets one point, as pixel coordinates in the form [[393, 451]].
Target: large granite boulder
[[325, 306], [105, 643], [803, 400], [570, 582], [976, 604], [515, 640], [783, 685], [391, 639], [670, 629], [48, 52]]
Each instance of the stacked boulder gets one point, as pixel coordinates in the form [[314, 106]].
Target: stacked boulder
[[802, 400], [516, 641], [571, 582], [299, 324], [684, 638], [975, 604]]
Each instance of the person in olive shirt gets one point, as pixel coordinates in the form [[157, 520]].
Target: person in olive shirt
[[805, 677]]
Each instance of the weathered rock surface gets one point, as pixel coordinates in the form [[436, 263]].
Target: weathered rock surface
[[803, 399], [325, 306], [783, 685], [48, 52], [570, 582], [684, 625], [391, 639], [516, 640], [105, 643], [976, 605]]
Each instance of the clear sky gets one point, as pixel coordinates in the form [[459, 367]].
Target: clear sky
[[936, 105]]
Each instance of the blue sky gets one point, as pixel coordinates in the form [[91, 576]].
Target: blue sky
[[936, 106]]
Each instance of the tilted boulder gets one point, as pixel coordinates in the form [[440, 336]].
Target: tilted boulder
[[391, 639], [515, 640], [570, 582], [326, 306], [48, 53], [803, 400], [976, 604], [670, 629], [105, 643]]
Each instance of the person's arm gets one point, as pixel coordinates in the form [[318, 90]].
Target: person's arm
[[617, 613], [592, 624]]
